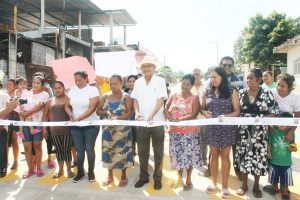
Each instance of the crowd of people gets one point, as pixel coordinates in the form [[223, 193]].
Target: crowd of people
[[258, 150]]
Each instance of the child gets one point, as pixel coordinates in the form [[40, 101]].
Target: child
[[23, 98], [279, 153]]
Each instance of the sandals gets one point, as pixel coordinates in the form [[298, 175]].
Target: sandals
[[71, 175], [286, 196], [177, 184], [57, 175], [257, 193], [21, 135], [123, 182], [211, 189], [28, 174], [271, 190], [14, 166], [107, 181], [188, 187], [241, 191], [225, 194], [40, 173], [51, 164]]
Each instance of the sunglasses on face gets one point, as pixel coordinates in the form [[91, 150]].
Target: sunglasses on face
[[227, 65]]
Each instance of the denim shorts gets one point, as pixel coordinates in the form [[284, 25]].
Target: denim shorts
[[38, 137]]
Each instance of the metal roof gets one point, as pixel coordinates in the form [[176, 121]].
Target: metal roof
[[61, 12], [289, 44]]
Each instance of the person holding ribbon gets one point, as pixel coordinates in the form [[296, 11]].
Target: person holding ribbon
[[37, 99], [61, 135], [288, 101], [149, 94], [185, 152], [81, 106], [116, 140], [220, 100], [251, 149]]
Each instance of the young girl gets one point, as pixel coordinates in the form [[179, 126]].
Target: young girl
[[279, 153], [24, 105]]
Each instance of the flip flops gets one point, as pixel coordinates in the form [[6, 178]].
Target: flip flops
[[28, 174], [211, 189], [241, 191], [188, 187], [123, 182], [40, 173], [225, 194], [107, 181], [257, 193], [57, 175]]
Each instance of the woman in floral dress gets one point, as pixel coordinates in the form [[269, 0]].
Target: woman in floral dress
[[116, 140], [251, 148], [184, 148]]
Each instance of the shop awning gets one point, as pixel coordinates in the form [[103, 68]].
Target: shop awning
[[64, 69]]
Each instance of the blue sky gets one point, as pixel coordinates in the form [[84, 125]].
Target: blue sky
[[186, 31]]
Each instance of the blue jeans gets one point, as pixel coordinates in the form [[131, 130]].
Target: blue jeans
[[3, 148], [84, 139]]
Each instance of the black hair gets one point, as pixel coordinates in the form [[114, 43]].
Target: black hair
[[285, 115], [1, 85], [224, 86], [117, 77], [257, 72], [81, 73], [226, 58], [289, 79], [189, 77], [41, 78], [61, 83], [12, 80], [132, 76], [19, 80]]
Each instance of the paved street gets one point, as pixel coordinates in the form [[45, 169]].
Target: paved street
[[13, 187]]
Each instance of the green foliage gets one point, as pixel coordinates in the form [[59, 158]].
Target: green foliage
[[261, 36], [171, 76]]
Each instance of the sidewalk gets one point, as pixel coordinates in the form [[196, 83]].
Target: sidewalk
[[14, 187]]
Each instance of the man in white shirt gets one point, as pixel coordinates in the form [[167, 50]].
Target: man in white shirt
[[149, 94]]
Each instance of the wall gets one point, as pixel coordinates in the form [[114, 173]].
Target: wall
[[293, 58]]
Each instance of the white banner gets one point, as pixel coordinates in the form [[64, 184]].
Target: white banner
[[200, 122], [122, 63]]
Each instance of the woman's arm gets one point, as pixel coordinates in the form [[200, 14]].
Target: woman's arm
[[167, 107], [128, 112], [68, 109], [236, 105], [100, 111], [46, 117], [289, 135], [35, 109], [92, 107]]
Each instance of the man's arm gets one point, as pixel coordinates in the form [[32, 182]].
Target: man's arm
[[10, 106]]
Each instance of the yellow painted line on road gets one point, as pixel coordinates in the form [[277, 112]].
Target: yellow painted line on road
[[12, 175]]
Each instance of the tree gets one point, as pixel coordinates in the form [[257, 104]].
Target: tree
[[237, 50], [261, 36]]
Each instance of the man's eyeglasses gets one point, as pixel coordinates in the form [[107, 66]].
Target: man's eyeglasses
[[227, 65]]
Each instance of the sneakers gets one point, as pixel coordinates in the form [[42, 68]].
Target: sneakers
[[3, 172], [78, 177], [91, 176]]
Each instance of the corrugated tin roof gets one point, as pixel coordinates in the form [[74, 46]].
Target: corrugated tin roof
[[61, 12]]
